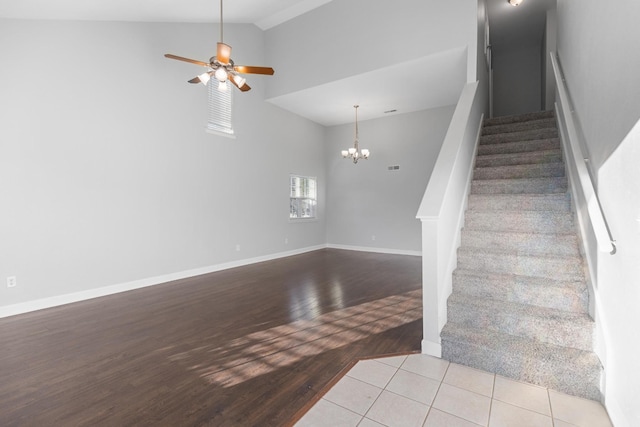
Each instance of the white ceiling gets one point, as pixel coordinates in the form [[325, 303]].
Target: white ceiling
[[420, 81], [264, 13], [428, 82]]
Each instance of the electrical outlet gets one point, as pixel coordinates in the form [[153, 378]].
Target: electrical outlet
[[237, 248], [11, 282], [286, 240], [373, 237]]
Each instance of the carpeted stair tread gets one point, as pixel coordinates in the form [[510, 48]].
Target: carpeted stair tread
[[565, 369], [519, 146], [538, 115], [519, 303], [525, 158], [522, 135], [520, 221], [566, 268], [540, 291], [519, 185], [560, 202], [548, 325], [522, 243], [541, 170], [549, 122]]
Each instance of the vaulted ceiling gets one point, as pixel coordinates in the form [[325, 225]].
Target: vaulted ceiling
[[510, 27]]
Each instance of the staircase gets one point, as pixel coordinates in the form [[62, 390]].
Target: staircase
[[519, 305]]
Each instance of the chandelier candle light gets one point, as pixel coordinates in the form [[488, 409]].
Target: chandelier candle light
[[355, 152]]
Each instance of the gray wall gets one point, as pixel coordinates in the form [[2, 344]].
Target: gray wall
[[549, 46], [110, 178], [366, 199], [107, 174], [516, 80], [349, 37], [598, 49]]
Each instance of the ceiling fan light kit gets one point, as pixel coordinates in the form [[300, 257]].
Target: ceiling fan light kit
[[222, 68], [514, 2], [355, 153]]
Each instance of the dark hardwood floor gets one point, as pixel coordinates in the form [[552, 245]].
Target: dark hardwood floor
[[248, 346]]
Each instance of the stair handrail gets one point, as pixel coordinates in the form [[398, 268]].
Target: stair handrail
[[605, 241]]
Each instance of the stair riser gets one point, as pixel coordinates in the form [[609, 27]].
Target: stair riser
[[531, 158], [539, 115], [520, 171], [514, 221], [522, 243], [520, 126], [583, 382], [565, 268], [524, 202], [522, 186], [519, 147], [568, 296], [527, 135], [519, 305], [556, 331]]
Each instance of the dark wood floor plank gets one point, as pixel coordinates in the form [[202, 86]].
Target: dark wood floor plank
[[248, 346]]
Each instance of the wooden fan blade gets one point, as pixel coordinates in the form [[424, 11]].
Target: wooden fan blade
[[245, 87], [202, 78], [180, 58], [249, 69], [223, 54]]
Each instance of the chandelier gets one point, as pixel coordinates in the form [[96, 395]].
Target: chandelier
[[355, 152]]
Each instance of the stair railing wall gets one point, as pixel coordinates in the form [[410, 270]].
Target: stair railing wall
[[442, 212], [591, 220]]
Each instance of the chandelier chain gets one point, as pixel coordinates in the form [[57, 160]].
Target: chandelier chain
[[355, 153]]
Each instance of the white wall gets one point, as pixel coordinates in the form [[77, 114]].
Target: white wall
[[350, 37], [366, 199], [106, 173], [516, 80], [598, 45]]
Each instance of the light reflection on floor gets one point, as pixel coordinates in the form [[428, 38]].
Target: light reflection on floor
[[265, 351]]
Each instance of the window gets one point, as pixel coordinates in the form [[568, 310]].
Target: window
[[302, 199], [220, 117]]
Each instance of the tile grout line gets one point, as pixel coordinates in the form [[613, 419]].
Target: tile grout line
[[437, 391], [553, 421], [381, 391], [493, 392]]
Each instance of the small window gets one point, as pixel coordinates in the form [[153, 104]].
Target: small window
[[302, 198], [220, 117]]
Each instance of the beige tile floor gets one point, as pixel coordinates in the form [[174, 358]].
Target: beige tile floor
[[420, 390]]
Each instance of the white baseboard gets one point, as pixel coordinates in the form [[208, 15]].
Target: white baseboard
[[432, 348], [40, 304], [377, 250], [616, 414]]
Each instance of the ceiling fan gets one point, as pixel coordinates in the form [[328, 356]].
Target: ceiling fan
[[222, 68]]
